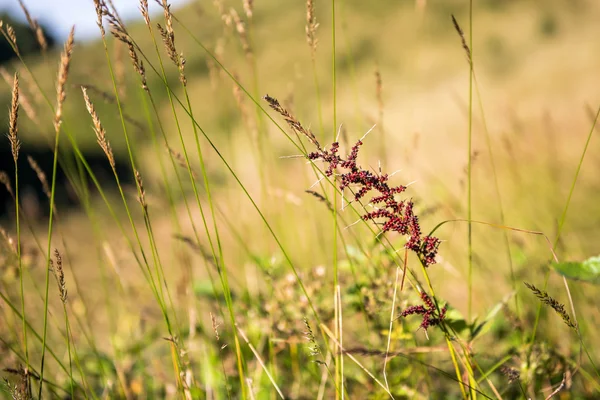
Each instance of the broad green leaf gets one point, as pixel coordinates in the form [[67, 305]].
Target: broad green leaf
[[484, 326], [455, 320], [587, 271]]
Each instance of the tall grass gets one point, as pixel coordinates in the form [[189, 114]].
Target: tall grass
[[225, 295]]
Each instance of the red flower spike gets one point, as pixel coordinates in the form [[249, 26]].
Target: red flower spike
[[396, 216]]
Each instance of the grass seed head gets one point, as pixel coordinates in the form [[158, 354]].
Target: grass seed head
[[5, 180], [63, 74], [558, 307], [311, 27], [35, 27], [99, 129], [15, 143], [462, 38]]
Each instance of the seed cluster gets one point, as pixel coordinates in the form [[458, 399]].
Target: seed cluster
[[428, 311], [393, 215]]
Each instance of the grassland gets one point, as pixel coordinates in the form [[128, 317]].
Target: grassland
[[198, 265]]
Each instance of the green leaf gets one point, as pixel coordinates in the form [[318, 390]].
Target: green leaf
[[587, 271], [481, 328], [455, 320]]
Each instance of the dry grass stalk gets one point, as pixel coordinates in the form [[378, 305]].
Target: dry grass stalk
[[23, 100], [5, 180], [40, 174], [12, 38], [311, 27], [15, 144], [248, 8], [181, 160], [9, 240], [106, 96], [553, 303], [100, 8], [177, 59], [99, 129], [22, 390], [118, 30], [113, 11], [33, 89], [239, 100], [109, 98], [145, 12], [168, 36], [215, 326], [462, 38], [137, 63], [292, 121], [142, 191], [63, 74], [59, 274], [35, 27], [240, 27], [321, 198], [225, 16]]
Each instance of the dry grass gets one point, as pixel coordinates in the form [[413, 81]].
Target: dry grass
[[99, 129], [120, 314], [63, 74]]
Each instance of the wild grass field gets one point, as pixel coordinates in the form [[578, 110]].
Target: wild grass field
[[305, 200]]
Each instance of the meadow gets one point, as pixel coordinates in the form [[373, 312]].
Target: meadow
[[341, 199]]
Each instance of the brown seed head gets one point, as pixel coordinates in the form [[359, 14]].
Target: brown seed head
[[248, 8], [100, 8], [145, 12], [141, 191], [15, 144], [40, 174], [462, 38], [10, 36], [23, 100], [240, 27], [59, 274], [35, 27], [292, 121], [215, 326], [63, 74], [9, 240], [558, 307], [311, 26], [5, 180], [99, 129], [181, 161]]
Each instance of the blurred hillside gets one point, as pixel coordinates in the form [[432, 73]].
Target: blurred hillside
[[521, 66]]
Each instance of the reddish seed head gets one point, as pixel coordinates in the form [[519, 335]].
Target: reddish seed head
[[397, 216]]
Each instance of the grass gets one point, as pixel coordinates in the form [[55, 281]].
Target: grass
[[201, 268]]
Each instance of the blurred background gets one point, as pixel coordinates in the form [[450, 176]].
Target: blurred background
[[400, 67]]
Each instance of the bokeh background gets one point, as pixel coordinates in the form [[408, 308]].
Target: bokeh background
[[400, 68]]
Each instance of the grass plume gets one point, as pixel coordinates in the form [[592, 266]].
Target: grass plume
[[558, 307]]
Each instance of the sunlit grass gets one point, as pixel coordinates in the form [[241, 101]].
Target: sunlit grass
[[197, 265]]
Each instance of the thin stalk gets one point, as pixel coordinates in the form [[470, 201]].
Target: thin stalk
[[456, 368], [221, 260], [20, 261], [469, 168], [68, 339], [498, 196], [49, 246], [339, 378]]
